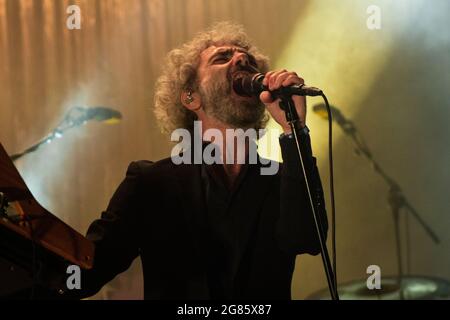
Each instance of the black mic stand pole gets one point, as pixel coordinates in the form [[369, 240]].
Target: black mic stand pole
[[287, 104], [67, 123], [396, 199], [49, 138]]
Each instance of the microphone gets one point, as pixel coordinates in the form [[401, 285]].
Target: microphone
[[102, 114], [76, 117], [250, 85], [79, 115], [336, 115]]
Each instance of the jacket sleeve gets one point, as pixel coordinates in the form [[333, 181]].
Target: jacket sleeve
[[115, 235], [296, 229]]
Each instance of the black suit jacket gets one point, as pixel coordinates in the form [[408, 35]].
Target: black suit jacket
[[158, 212]]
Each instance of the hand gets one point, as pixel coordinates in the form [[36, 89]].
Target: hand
[[275, 80]]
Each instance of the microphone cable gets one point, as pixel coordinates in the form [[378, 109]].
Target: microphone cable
[[333, 206]]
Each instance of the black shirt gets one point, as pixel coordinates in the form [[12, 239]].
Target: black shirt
[[225, 237], [225, 234]]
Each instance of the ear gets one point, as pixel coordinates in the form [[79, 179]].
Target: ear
[[191, 100]]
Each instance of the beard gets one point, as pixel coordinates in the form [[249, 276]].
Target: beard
[[219, 103]]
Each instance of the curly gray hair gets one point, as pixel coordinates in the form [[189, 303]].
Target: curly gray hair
[[180, 73]]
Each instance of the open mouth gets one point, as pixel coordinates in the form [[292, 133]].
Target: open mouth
[[236, 79], [239, 75]]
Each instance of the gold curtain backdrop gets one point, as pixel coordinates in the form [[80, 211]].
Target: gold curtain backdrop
[[112, 61], [391, 82]]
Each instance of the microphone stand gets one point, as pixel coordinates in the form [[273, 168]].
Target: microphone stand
[[70, 121], [287, 104], [395, 198]]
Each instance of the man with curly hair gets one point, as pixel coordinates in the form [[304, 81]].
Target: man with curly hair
[[221, 230]]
